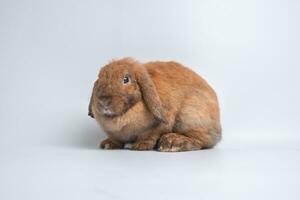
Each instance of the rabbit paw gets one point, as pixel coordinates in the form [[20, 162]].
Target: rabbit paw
[[110, 144], [143, 145], [173, 142]]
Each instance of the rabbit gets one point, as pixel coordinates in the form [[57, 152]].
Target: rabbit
[[157, 105]]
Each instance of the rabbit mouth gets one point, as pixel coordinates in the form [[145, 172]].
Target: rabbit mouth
[[108, 113]]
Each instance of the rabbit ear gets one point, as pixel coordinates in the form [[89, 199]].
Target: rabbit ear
[[90, 107], [150, 94], [91, 102]]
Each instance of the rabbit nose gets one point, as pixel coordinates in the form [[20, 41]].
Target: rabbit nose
[[105, 101]]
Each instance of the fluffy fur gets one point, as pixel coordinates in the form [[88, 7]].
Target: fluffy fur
[[163, 106]]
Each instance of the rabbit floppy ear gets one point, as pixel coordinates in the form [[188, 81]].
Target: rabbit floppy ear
[[91, 102], [150, 94], [90, 107]]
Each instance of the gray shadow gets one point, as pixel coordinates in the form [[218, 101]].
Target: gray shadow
[[89, 135], [81, 133]]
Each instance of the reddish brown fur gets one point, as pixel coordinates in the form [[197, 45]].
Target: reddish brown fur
[[166, 105]]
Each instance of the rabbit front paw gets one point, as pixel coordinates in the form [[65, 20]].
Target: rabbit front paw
[[173, 142], [143, 145], [110, 144]]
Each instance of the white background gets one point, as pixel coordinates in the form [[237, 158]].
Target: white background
[[51, 52]]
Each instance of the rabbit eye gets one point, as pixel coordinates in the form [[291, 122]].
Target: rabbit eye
[[126, 80]]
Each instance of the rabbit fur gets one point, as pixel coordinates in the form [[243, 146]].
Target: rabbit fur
[[155, 105]]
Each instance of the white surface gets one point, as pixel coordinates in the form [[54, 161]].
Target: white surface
[[227, 172], [51, 52]]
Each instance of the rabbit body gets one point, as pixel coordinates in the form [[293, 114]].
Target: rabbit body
[[170, 107]]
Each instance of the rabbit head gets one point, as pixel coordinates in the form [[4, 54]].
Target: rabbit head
[[120, 85]]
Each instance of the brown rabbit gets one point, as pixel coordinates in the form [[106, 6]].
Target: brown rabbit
[[156, 105]]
